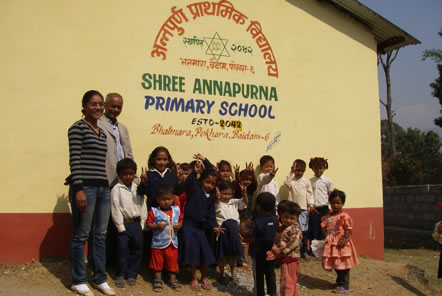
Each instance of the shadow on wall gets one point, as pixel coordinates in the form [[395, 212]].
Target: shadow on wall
[[56, 241], [321, 11]]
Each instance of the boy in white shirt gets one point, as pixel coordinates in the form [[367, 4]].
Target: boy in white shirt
[[266, 180], [129, 214], [301, 192]]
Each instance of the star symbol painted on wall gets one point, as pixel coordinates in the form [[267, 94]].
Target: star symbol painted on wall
[[216, 46]]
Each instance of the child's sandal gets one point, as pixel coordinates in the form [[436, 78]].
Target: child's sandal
[[157, 285], [206, 285], [236, 280], [175, 285], [194, 285]]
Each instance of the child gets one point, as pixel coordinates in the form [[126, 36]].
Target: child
[[300, 192], [246, 178], [286, 248], [339, 252], [224, 170], [261, 238], [164, 221], [199, 217], [129, 214], [160, 171], [322, 187], [228, 244], [266, 180]]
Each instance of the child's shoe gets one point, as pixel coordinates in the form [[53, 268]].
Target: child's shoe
[[341, 290], [131, 282], [119, 282]]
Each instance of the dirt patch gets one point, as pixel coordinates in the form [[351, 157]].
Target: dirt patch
[[371, 277]]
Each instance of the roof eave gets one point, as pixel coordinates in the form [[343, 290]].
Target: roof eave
[[387, 35]]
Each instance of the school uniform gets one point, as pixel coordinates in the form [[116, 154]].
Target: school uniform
[[199, 218], [322, 187], [155, 178], [263, 230], [228, 244], [129, 215]]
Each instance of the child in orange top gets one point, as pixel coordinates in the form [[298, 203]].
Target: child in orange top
[[339, 251]]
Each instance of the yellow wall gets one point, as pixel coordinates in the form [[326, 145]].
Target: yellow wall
[[54, 51]]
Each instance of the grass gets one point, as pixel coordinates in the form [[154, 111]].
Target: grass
[[425, 259]]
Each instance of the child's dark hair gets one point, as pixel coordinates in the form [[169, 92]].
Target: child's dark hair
[[151, 161], [185, 166], [207, 173], [266, 158], [224, 185], [224, 163], [163, 189], [287, 206], [266, 201], [318, 162], [124, 164], [246, 174], [300, 163], [337, 193]]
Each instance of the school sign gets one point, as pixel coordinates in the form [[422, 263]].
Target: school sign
[[231, 79]]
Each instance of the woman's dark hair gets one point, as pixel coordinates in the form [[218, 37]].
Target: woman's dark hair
[[151, 161], [224, 185], [87, 96], [337, 193], [124, 164], [318, 162]]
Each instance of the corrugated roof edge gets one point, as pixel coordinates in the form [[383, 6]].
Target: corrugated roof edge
[[388, 36]]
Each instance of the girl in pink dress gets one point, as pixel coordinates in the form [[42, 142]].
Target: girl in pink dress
[[339, 251]]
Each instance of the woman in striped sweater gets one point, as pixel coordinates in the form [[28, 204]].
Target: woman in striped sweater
[[89, 195]]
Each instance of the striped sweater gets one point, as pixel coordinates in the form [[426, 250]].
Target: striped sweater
[[87, 156]]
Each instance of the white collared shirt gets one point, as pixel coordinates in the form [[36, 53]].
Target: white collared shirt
[[322, 187]]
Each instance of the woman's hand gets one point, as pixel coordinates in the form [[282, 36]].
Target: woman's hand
[[80, 200]]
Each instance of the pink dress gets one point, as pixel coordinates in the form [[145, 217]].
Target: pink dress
[[338, 227]]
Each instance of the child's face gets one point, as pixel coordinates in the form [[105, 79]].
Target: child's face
[[336, 204], [208, 183], [246, 181], [288, 219], [226, 195], [298, 170], [224, 173], [127, 176], [161, 161], [199, 167], [165, 200], [268, 167], [318, 170], [183, 175]]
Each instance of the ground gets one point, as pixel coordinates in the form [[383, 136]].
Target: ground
[[403, 272]]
